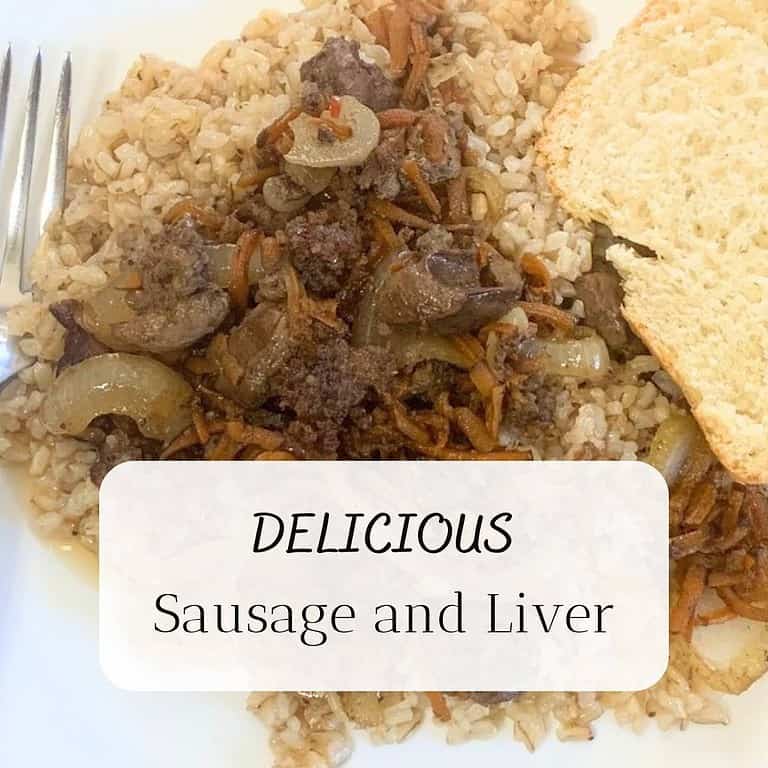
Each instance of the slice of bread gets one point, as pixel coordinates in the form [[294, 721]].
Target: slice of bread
[[664, 138]]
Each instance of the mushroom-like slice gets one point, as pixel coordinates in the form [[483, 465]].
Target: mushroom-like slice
[[311, 151], [157, 398]]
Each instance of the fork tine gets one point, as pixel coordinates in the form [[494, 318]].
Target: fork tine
[[5, 86], [53, 197], [13, 258]]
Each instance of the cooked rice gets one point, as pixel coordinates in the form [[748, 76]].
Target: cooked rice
[[171, 132]]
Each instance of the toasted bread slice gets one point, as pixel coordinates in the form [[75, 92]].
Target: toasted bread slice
[[664, 138]]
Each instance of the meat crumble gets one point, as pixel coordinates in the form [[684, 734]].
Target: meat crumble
[[324, 246], [322, 381]]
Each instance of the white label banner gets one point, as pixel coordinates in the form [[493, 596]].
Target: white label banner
[[383, 576]]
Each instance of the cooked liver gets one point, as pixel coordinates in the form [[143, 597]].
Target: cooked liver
[[178, 303], [442, 291], [602, 296]]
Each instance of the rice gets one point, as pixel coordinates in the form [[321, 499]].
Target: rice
[[301, 728], [171, 132]]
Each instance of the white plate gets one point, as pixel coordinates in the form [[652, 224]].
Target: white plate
[[55, 706]]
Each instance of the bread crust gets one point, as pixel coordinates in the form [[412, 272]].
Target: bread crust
[[747, 462], [719, 433]]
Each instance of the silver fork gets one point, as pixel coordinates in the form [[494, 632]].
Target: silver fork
[[14, 279]]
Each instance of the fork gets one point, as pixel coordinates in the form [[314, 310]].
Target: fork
[[14, 279]]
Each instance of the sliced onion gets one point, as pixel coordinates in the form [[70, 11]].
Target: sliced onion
[[585, 359], [411, 347], [307, 150], [110, 305], [672, 445], [314, 180], [157, 398], [366, 330], [104, 310], [744, 669], [482, 180], [220, 264]]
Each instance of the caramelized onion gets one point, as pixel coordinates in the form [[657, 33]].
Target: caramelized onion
[[411, 347], [220, 264], [105, 309], [482, 180], [585, 359], [672, 445], [157, 398], [744, 669]]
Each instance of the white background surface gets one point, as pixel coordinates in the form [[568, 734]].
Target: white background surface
[[56, 708]]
